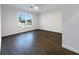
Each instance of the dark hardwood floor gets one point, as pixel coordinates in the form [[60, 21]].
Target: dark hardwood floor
[[37, 42]]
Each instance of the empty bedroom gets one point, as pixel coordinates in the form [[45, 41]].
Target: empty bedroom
[[39, 29]]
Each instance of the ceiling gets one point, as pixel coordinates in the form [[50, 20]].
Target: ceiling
[[42, 7]]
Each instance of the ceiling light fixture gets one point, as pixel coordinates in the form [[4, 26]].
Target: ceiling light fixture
[[36, 7]]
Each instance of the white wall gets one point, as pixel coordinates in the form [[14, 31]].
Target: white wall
[[0, 28], [71, 27], [9, 21], [51, 21]]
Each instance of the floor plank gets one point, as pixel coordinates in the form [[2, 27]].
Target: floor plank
[[38, 42]]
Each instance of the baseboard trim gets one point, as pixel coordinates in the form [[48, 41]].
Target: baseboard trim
[[20, 33], [33, 30], [70, 48], [51, 31]]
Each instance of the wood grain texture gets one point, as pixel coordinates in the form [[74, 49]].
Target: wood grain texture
[[36, 42]]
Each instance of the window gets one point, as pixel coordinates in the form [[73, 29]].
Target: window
[[24, 19]]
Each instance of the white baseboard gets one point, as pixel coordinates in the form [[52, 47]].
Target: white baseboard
[[70, 48], [50, 30], [16, 32]]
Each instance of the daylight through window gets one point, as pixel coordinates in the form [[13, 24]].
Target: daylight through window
[[24, 19]]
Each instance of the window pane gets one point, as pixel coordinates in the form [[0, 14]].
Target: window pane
[[23, 18]]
